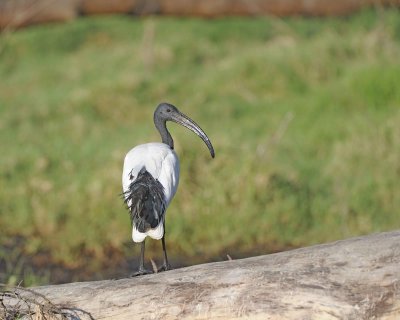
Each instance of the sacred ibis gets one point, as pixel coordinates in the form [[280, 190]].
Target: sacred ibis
[[150, 179]]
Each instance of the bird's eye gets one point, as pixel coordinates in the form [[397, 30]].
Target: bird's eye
[[168, 110]]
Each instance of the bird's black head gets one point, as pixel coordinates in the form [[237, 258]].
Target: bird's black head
[[165, 111], [168, 112]]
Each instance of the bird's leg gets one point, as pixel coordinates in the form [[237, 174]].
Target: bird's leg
[[141, 270], [166, 266]]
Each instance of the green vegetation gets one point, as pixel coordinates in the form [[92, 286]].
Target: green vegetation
[[303, 114]]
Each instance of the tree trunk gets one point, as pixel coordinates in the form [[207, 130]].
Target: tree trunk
[[357, 278]]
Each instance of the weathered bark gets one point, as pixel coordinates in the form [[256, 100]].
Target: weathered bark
[[357, 278]]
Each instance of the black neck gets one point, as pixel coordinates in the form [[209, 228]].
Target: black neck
[[164, 133]]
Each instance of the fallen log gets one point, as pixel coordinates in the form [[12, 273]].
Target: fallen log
[[281, 8], [358, 278], [19, 13]]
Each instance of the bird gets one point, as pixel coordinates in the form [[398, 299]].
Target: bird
[[150, 180]]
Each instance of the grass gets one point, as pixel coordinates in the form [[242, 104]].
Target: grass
[[303, 115]]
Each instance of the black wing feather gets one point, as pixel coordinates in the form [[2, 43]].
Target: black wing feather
[[145, 199]]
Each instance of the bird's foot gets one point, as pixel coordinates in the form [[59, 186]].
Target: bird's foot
[[164, 267], [140, 272]]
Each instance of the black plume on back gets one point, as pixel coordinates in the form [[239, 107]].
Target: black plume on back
[[146, 201]]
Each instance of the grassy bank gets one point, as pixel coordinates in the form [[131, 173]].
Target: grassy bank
[[303, 114]]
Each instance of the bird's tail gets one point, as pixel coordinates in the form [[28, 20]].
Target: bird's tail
[[145, 200]]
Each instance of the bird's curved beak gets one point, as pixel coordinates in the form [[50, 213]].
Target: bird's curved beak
[[185, 121]]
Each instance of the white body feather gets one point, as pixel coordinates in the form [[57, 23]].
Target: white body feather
[[163, 164]]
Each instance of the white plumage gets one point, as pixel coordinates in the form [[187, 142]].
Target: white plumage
[[163, 164], [150, 179]]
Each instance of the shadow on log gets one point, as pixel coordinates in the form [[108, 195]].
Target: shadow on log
[[357, 278]]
